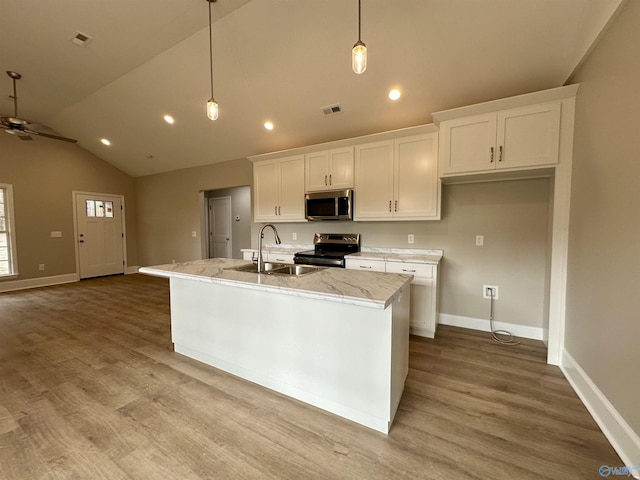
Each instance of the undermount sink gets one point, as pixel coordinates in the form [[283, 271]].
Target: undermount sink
[[278, 269]]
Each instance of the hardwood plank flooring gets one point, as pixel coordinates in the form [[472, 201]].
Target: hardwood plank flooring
[[91, 389]]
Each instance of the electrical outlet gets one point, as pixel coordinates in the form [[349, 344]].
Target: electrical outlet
[[193, 234], [294, 236], [488, 289], [41, 266], [479, 240], [410, 238]]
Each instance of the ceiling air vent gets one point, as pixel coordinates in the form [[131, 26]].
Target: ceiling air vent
[[332, 110], [81, 39]]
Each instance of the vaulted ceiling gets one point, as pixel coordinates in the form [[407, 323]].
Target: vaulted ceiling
[[277, 60]]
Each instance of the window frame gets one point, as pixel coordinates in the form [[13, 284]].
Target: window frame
[[10, 230]]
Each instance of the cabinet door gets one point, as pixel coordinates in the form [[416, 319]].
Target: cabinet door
[[316, 171], [468, 144], [291, 206], [373, 197], [341, 168], [528, 136], [416, 183], [266, 190]]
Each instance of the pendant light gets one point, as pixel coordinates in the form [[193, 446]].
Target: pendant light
[[212, 105], [359, 52]]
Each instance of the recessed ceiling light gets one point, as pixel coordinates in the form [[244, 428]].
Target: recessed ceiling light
[[169, 119], [105, 141], [268, 125], [394, 94]]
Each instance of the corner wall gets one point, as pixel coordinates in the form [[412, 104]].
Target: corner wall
[[603, 304]]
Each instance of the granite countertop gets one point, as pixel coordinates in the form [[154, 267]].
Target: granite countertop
[[355, 287], [431, 257]]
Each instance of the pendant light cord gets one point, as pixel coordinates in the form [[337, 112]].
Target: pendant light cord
[[211, 47], [359, 21]]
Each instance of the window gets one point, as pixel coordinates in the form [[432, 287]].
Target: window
[[7, 235], [99, 208]]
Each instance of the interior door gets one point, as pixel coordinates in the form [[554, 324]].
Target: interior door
[[100, 235], [220, 241]]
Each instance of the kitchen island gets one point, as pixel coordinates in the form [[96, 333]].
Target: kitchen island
[[336, 339]]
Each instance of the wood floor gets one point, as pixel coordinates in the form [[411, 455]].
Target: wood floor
[[90, 389]]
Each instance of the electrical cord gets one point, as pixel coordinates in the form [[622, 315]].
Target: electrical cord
[[510, 340]]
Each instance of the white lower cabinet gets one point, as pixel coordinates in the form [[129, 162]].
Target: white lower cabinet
[[424, 290]]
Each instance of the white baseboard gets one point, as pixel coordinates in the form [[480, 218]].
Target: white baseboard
[[523, 331], [14, 285], [129, 270], [623, 439]]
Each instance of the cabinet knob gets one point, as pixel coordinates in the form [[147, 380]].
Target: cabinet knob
[[491, 155]]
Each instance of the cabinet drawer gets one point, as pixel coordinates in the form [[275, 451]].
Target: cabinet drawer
[[279, 257], [418, 270], [371, 265]]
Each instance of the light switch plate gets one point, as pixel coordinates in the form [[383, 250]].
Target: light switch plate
[[56, 234]]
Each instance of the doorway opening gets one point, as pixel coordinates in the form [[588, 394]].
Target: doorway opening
[[227, 222]]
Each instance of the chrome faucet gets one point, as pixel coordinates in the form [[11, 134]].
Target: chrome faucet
[[260, 237]]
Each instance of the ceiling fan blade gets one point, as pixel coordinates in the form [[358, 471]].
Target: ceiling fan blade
[[49, 135], [18, 133]]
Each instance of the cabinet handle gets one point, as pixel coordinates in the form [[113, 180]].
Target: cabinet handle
[[364, 266], [409, 271], [275, 210], [396, 207], [325, 180], [491, 155], [330, 182], [500, 154], [389, 205], [279, 210], [279, 259]]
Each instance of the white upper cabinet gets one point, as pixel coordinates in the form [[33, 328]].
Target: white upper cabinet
[[508, 139], [397, 179], [278, 190], [329, 170]]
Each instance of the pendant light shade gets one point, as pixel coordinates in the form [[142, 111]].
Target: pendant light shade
[[359, 57], [212, 105], [212, 109], [359, 51]]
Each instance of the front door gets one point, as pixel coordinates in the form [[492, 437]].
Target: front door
[[220, 227], [100, 234]]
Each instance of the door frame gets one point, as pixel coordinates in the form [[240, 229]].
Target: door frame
[[74, 195], [209, 232]]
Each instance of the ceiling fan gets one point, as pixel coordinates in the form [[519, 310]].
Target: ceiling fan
[[23, 129]]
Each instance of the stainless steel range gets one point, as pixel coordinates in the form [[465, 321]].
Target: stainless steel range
[[330, 249]]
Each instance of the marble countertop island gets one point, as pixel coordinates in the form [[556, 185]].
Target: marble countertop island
[[368, 289]]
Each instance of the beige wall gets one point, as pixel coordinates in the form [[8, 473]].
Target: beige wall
[[43, 173], [169, 209], [513, 217], [603, 303]]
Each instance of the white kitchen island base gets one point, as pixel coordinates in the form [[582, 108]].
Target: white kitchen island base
[[348, 359]]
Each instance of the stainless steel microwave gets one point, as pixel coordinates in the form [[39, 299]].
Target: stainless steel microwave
[[329, 205]]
